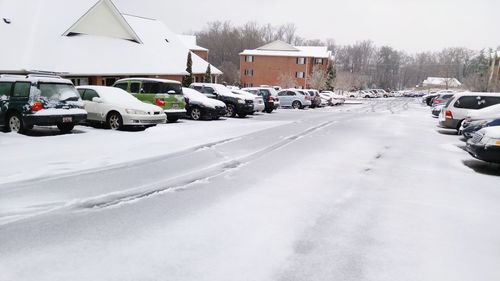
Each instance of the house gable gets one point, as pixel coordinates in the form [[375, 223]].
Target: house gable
[[103, 19]]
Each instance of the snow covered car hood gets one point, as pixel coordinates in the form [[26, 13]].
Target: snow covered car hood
[[246, 95], [491, 132], [196, 96]]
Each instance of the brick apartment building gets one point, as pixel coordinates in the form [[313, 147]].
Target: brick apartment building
[[92, 42], [278, 61]]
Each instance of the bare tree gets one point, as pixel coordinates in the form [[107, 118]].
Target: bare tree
[[318, 78], [286, 80]]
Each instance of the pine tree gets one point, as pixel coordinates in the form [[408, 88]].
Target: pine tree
[[188, 79], [208, 75], [331, 73]]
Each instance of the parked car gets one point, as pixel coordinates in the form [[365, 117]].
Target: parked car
[[166, 94], [258, 101], [441, 99], [269, 95], [478, 119], [326, 99], [367, 94], [470, 127], [485, 144], [39, 100], [236, 104], [436, 110], [117, 108], [294, 98], [455, 111], [200, 106], [315, 98]]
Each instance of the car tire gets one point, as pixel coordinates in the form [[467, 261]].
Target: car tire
[[195, 113], [269, 110], [66, 127], [297, 105], [15, 124], [231, 110], [114, 121], [367, 97]]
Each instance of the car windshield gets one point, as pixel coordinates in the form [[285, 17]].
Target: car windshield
[[59, 92], [161, 88]]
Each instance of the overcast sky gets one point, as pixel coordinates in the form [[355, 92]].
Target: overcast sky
[[409, 25]]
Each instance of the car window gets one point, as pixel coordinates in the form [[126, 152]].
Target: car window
[[135, 87], [280, 94], [22, 89], [468, 102], [265, 92], [122, 86], [290, 93], [57, 91], [489, 101], [5, 88], [207, 90], [89, 95]]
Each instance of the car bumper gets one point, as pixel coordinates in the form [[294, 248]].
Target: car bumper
[[259, 107], [179, 113], [484, 153], [244, 108], [143, 120], [449, 123], [51, 120]]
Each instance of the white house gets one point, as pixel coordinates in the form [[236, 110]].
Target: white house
[[90, 42], [441, 82]]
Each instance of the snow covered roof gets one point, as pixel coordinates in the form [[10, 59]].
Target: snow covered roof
[[89, 39], [283, 49], [441, 81], [190, 42]]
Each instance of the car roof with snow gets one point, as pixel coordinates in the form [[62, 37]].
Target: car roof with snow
[[149, 80], [34, 78]]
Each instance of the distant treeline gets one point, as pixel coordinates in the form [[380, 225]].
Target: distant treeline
[[359, 65]]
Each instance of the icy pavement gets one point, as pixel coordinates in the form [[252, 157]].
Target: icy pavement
[[360, 192]]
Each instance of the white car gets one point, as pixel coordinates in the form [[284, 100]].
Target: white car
[[258, 104], [326, 99], [117, 108]]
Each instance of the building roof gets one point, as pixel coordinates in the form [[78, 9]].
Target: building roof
[[190, 42], [89, 38], [441, 82], [283, 49]]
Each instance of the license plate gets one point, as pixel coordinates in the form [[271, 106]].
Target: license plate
[[175, 105], [67, 119]]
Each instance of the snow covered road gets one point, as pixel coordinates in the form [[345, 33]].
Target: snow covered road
[[361, 192]]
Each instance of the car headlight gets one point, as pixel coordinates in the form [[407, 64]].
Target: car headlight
[[136, 112], [487, 141], [241, 101]]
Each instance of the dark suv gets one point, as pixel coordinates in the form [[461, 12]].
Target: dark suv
[[39, 100], [236, 104]]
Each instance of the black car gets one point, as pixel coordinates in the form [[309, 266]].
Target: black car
[[485, 145], [236, 104], [199, 106], [39, 100]]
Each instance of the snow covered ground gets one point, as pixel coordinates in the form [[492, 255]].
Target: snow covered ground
[[371, 191]]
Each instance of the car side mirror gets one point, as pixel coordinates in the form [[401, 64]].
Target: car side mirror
[[97, 99]]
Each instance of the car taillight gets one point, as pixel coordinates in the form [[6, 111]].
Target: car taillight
[[37, 106], [305, 97], [438, 101], [159, 102], [448, 114]]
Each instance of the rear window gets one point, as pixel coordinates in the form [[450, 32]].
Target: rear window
[[58, 92], [161, 88], [22, 89], [122, 86], [489, 101]]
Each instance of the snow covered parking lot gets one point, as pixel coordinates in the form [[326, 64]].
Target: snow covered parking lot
[[371, 191]]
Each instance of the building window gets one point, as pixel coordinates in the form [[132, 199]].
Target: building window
[[248, 72], [249, 59], [300, 75], [247, 85], [301, 60], [318, 61]]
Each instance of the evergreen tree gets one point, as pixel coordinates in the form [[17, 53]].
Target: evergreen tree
[[331, 74], [188, 79], [208, 75]]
